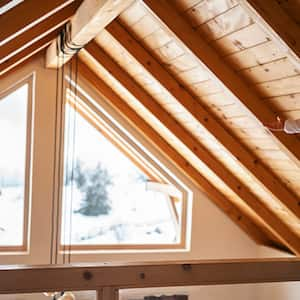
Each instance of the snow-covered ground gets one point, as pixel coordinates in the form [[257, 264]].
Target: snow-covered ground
[[11, 216], [140, 217]]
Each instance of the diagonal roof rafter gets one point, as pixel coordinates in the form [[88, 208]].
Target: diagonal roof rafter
[[26, 53], [193, 106], [37, 32], [223, 74]]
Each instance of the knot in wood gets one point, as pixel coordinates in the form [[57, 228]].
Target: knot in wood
[[87, 275], [186, 267]]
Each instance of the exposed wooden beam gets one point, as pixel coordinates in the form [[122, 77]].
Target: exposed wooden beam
[[200, 113], [229, 208], [283, 231], [26, 15], [27, 52], [223, 74], [90, 18], [134, 119], [29, 279], [37, 32], [273, 19]]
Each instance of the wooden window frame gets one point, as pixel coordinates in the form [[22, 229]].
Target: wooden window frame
[[29, 80], [121, 137]]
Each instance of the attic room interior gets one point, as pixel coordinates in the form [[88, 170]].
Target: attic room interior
[[150, 149]]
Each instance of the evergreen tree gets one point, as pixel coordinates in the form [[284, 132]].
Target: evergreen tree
[[93, 184]]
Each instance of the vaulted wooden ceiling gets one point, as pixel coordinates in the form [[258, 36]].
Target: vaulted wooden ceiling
[[199, 78]]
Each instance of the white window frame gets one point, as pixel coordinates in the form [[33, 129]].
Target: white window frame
[[28, 163], [125, 132]]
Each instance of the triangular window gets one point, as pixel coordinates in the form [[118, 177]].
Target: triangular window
[[112, 195]]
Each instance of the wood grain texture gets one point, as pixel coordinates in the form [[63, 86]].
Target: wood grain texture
[[222, 73], [200, 113], [26, 279]]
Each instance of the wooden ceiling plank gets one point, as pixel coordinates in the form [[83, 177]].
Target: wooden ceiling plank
[[142, 126], [37, 32], [200, 113], [273, 19], [27, 52], [90, 18], [221, 72], [290, 239], [26, 15]]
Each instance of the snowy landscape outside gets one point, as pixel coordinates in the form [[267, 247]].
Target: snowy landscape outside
[[134, 216], [13, 125]]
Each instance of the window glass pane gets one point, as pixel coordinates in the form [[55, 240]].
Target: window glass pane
[[108, 197], [13, 127]]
